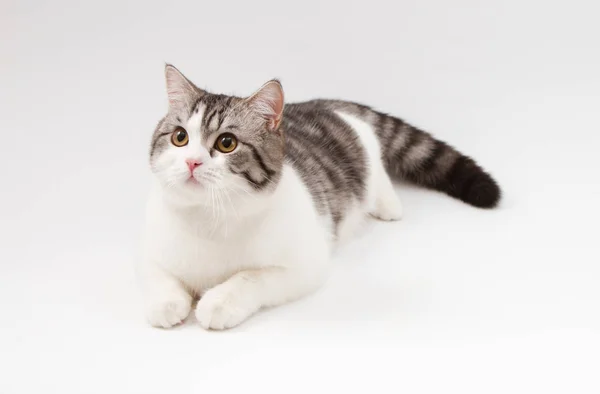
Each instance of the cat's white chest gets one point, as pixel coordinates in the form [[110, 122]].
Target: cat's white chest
[[186, 246], [184, 249]]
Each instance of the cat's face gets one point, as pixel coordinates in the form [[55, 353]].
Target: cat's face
[[213, 149]]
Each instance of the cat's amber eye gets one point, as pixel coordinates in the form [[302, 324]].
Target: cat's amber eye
[[226, 143], [180, 137]]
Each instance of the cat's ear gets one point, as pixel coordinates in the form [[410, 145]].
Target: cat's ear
[[268, 102], [179, 88]]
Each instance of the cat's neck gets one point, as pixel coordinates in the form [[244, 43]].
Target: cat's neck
[[223, 217]]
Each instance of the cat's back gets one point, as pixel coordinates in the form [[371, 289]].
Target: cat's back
[[327, 152], [318, 126]]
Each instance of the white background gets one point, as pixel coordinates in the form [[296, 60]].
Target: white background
[[451, 299]]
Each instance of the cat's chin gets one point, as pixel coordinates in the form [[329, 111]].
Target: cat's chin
[[187, 196], [185, 193], [193, 182]]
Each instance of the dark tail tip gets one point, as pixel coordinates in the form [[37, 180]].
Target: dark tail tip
[[483, 193], [470, 183]]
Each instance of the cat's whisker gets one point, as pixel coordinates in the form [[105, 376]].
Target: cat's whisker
[[212, 202], [226, 192], [222, 208], [214, 221], [247, 192], [240, 196]]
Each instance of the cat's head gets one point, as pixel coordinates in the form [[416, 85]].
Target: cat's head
[[212, 147]]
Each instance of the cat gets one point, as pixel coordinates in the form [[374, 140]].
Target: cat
[[250, 195]]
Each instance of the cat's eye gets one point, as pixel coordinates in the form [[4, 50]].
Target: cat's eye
[[180, 137], [226, 143]]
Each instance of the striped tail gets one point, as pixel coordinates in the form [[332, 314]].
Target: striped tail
[[413, 154]]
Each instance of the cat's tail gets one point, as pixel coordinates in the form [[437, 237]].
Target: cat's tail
[[412, 154]]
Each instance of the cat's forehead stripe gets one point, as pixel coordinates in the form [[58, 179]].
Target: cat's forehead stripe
[[210, 117], [195, 121], [195, 107], [216, 112], [215, 121]]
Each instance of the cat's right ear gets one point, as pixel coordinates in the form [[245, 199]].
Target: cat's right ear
[[179, 88], [268, 102]]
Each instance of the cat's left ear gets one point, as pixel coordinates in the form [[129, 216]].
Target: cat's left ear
[[179, 89], [268, 102]]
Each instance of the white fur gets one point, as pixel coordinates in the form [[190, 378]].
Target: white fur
[[241, 252]]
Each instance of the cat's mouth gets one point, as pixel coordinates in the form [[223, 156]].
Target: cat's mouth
[[193, 181]]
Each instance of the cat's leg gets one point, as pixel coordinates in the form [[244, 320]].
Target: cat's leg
[[167, 302], [242, 295], [387, 203]]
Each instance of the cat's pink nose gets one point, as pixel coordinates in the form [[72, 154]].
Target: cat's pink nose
[[193, 163]]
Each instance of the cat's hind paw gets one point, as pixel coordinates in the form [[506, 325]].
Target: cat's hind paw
[[388, 208]]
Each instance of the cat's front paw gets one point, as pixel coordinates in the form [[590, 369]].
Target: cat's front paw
[[168, 311], [224, 307]]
